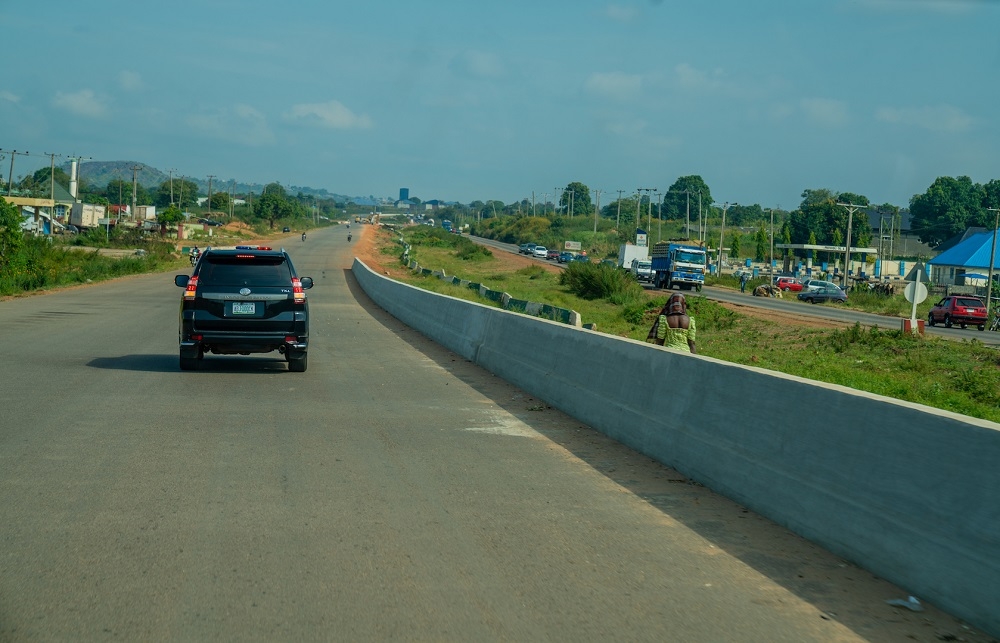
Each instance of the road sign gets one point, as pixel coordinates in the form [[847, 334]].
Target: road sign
[[915, 292], [917, 273]]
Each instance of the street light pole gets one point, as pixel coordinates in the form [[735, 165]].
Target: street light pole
[[851, 209], [597, 209], [993, 253], [771, 253], [722, 236]]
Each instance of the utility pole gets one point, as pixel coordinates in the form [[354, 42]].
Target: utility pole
[[649, 214], [210, 177], [597, 209], [722, 233], [687, 216], [851, 209], [532, 203], [618, 218], [572, 202], [771, 253], [52, 192], [171, 171], [135, 172], [555, 200], [701, 233], [10, 177], [659, 215], [993, 254]]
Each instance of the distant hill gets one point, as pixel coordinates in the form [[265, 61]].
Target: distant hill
[[100, 173]]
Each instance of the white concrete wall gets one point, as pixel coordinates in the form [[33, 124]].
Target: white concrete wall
[[908, 492]]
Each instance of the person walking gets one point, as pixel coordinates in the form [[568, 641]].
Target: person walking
[[673, 327], [744, 277]]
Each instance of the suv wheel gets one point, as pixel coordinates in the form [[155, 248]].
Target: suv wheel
[[298, 365], [930, 319], [947, 321]]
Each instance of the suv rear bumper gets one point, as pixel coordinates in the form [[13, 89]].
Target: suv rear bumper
[[238, 344]]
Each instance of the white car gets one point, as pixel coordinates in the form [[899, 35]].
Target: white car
[[812, 285], [540, 251]]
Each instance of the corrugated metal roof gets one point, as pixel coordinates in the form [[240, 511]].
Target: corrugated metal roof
[[974, 252]]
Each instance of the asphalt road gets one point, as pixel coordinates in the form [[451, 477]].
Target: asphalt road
[[393, 491]]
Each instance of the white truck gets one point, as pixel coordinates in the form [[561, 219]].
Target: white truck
[[627, 253], [642, 270], [86, 215]]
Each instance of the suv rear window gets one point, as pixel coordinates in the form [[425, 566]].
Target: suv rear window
[[266, 271]]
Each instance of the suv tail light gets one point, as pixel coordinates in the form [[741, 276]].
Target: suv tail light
[[298, 292], [192, 286]]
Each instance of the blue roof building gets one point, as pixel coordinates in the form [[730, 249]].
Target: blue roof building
[[971, 256]]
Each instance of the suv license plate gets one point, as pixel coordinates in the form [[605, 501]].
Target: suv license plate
[[248, 308]]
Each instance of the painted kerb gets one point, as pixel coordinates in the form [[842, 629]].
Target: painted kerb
[[906, 491]]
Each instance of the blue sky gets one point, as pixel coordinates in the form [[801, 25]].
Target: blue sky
[[464, 100]]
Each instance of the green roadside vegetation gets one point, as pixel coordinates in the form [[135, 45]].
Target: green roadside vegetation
[[29, 264], [958, 376]]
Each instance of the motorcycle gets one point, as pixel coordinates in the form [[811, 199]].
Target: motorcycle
[[303, 236], [348, 238]]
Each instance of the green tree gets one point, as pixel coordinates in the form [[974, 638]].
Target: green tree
[[220, 201], [121, 189], [169, 216], [42, 176], [272, 207], [762, 243], [676, 199], [11, 235], [578, 195], [185, 194], [948, 207], [623, 212]]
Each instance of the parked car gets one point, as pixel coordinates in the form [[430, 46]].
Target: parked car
[[565, 257], [540, 251], [787, 284], [958, 309], [816, 284], [552, 254], [286, 229], [823, 293]]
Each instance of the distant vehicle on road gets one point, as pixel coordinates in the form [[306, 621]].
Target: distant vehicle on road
[[540, 252], [565, 257], [552, 254], [823, 294]]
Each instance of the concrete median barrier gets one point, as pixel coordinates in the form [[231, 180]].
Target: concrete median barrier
[[903, 490]]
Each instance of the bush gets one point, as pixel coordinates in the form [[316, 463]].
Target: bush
[[601, 281]]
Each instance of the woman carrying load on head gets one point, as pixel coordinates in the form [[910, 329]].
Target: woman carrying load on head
[[673, 327]]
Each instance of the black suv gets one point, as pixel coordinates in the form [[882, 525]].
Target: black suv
[[244, 300]]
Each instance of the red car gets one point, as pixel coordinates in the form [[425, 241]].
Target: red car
[[958, 309], [552, 254], [788, 284]]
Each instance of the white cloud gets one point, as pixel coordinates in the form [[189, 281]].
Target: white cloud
[[240, 124], [9, 97], [81, 103], [332, 115], [943, 118], [130, 80], [478, 64], [937, 6], [692, 78], [824, 111], [620, 13], [614, 85]]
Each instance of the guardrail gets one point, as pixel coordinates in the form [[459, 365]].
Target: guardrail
[[901, 489]]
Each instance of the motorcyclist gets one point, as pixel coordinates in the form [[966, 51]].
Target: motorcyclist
[[348, 237], [303, 236], [193, 255]]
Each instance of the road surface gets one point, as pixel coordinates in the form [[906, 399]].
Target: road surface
[[393, 491]]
